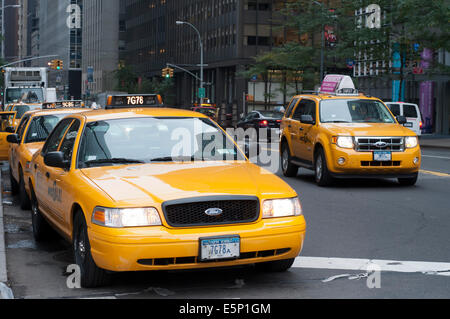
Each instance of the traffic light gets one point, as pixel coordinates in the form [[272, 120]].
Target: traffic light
[[171, 73], [59, 64], [56, 64], [164, 73]]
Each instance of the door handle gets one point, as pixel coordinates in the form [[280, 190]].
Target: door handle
[[47, 175], [301, 129]]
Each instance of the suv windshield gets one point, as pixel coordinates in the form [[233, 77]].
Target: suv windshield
[[25, 95], [272, 115], [154, 140], [41, 127], [354, 111]]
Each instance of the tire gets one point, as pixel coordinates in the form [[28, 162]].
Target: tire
[[289, 169], [409, 181], [41, 229], [25, 203], [91, 275], [14, 184], [276, 266], [322, 175]]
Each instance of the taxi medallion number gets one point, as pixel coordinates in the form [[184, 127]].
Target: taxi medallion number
[[220, 248], [135, 100]]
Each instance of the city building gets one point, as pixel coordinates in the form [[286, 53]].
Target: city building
[[11, 32], [101, 35], [60, 34]]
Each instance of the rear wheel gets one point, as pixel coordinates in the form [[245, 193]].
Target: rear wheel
[[91, 275], [41, 229], [409, 181], [14, 184], [323, 176], [276, 266], [25, 203], [289, 169]]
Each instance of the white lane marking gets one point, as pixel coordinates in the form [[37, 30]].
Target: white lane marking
[[433, 156], [428, 268]]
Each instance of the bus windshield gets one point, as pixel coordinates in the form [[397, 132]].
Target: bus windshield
[[25, 95]]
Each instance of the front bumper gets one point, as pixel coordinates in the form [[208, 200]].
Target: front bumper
[[362, 164], [161, 248]]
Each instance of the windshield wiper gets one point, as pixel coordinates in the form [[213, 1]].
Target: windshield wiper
[[174, 159], [114, 161], [336, 122]]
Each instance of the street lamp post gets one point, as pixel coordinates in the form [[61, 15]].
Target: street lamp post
[[322, 51], [202, 85], [3, 24]]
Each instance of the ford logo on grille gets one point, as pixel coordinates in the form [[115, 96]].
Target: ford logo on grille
[[213, 212], [381, 144]]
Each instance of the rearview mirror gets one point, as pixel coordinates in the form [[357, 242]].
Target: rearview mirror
[[401, 120], [56, 159], [13, 139]]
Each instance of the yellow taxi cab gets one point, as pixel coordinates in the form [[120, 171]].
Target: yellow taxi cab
[[340, 133], [5, 131], [20, 110], [153, 188], [30, 136]]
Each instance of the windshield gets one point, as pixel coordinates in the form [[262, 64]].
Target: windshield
[[154, 140], [272, 115], [207, 112], [41, 127], [354, 111], [22, 109], [25, 95]]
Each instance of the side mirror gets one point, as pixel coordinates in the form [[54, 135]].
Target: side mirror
[[401, 120], [56, 159], [307, 119], [10, 129], [13, 139]]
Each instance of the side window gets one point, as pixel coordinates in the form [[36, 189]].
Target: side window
[[305, 107], [55, 137], [410, 110], [395, 109], [69, 141], [22, 126], [291, 107]]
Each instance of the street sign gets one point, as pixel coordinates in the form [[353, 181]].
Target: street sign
[[201, 93]]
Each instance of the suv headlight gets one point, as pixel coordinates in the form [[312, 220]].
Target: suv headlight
[[126, 217], [282, 208], [411, 141], [344, 141]]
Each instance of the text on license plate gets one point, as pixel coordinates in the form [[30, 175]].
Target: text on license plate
[[382, 156], [220, 248], [408, 124]]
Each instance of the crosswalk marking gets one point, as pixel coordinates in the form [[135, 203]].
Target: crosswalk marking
[[428, 268]]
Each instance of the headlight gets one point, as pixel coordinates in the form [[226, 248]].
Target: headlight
[[411, 141], [128, 217], [282, 208], [344, 141]]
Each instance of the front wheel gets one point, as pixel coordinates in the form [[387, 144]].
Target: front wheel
[[91, 275], [411, 181], [25, 203], [289, 169], [323, 176], [41, 229]]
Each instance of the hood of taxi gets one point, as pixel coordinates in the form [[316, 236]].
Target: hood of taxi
[[157, 183], [367, 129]]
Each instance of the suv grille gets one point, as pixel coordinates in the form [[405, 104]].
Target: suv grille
[[371, 144], [192, 212]]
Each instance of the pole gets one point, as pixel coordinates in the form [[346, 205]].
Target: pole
[[3, 30], [30, 59]]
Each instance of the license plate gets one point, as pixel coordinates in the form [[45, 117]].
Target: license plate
[[409, 125], [220, 248], [382, 156]]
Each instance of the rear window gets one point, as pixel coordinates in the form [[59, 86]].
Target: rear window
[[410, 111], [395, 109]]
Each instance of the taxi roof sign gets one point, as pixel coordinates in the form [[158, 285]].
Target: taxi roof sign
[[335, 84], [133, 101], [63, 105]]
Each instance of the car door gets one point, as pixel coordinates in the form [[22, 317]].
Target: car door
[[59, 178], [46, 192], [15, 149], [302, 138], [288, 121], [6, 118]]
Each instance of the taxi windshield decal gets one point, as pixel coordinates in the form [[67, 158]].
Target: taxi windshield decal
[[146, 100]]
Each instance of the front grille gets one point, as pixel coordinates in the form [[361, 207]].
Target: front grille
[[381, 164], [192, 212], [372, 144]]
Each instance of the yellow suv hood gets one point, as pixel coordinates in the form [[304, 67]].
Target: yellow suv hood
[[156, 183], [368, 129]]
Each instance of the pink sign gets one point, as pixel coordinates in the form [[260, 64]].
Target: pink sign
[[331, 83]]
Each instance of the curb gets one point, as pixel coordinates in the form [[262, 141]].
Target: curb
[[5, 291]]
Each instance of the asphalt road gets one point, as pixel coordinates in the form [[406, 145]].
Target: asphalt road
[[354, 219]]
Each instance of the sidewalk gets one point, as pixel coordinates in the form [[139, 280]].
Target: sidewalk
[[5, 291], [435, 141]]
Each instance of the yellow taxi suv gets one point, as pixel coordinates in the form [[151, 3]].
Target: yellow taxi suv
[[20, 110], [29, 137], [340, 133], [5, 130], [152, 188]]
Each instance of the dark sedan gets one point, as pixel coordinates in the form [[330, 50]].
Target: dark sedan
[[262, 120]]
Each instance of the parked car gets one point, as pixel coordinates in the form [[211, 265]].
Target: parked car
[[262, 120], [412, 114]]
